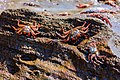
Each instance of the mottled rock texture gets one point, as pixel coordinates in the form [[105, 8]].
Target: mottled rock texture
[[45, 57]]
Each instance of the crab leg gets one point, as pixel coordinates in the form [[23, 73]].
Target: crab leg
[[20, 25], [32, 32], [85, 35], [94, 62], [107, 21], [36, 27], [102, 57], [92, 56], [89, 57], [35, 24], [98, 60], [86, 27], [83, 31], [62, 36], [18, 32], [81, 26], [67, 32], [37, 33], [14, 28], [67, 39]]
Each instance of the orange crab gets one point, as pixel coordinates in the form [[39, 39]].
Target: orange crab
[[74, 34], [27, 29], [100, 16]]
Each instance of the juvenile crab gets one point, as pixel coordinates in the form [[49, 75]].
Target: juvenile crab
[[100, 16], [74, 34], [94, 55], [27, 29]]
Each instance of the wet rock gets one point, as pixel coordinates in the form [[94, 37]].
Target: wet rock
[[45, 57]]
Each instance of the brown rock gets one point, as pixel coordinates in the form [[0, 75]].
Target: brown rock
[[45, 57]]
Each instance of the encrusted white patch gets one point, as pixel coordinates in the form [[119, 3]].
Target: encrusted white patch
[[26, 29]]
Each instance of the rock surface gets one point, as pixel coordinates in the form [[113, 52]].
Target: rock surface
[[45, 57]]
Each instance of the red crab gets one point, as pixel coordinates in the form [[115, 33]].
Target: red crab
[[107, 11], [74, 34], [84, 5], [100, 16], [111, 3], [27, 29], [94, 55]]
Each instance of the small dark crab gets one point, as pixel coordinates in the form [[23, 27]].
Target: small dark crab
[[94, 55], [100, 16], [27, 29], [75, 33]]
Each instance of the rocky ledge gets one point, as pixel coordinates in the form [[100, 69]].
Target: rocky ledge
[[46, 57]]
